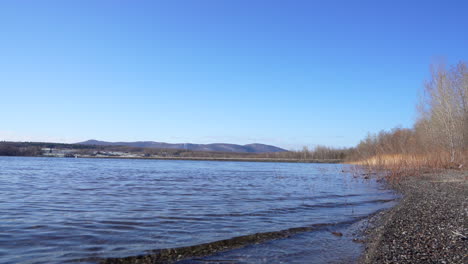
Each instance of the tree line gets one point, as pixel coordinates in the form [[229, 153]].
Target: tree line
[[439, 137], [15, 149], [318, 152]]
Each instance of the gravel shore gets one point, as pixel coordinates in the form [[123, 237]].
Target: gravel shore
[[429, 225]]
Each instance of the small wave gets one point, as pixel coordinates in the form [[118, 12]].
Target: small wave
[[206, 249], [288, 210]]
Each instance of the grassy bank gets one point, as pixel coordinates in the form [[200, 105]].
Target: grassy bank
[[397, 166]]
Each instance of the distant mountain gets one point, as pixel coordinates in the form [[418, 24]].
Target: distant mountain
[[221, 147]]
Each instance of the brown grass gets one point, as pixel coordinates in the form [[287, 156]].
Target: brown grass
[[397, 166]]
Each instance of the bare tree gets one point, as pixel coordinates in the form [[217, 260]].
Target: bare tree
[[444, 109]]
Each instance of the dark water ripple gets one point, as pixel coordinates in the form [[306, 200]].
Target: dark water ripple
[[62, 210]]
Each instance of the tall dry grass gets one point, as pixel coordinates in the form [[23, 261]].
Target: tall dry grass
[[397, 166]]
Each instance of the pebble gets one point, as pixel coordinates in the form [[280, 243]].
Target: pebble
[[420, 229]]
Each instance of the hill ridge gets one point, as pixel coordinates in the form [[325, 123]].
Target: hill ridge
[[219, 147]]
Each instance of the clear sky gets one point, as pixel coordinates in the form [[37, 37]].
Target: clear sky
[[287, 73]]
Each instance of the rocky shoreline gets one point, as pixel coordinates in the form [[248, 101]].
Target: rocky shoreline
[[429, 225]]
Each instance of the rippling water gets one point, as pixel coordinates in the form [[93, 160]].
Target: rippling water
[[56, 210]]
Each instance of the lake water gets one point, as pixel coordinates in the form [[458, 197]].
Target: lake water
[[55, 210]]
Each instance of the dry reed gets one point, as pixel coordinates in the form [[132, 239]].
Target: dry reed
[[397, 166]]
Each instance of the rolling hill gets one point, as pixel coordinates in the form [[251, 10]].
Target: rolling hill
[[221, 147]]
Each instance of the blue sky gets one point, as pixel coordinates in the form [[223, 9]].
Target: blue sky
[[288, 73]]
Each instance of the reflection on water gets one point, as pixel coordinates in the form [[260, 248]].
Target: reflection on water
[[55, 210]]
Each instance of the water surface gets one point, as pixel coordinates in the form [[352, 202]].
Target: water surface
[[55, 210]]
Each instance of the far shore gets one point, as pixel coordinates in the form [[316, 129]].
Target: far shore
[[335, 161]]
